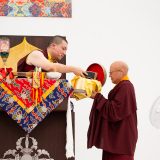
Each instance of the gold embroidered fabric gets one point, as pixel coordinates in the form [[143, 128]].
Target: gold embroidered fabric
[[84, 87]]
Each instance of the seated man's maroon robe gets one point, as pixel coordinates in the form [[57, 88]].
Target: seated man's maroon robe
[[113, 122], [24, 67]]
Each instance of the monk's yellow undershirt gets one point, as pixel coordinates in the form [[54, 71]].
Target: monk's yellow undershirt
[[125, 78], [51, 59]]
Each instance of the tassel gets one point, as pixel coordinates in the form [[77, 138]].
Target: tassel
[[36, 97], [33, 94]]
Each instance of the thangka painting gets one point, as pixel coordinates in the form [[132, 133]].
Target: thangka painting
[[36, 8]]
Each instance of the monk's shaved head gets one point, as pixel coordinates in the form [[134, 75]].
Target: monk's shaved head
[[120, 65], [118, 70]]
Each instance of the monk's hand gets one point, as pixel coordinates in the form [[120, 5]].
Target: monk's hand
[[93, 94]]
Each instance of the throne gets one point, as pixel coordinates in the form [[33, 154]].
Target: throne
[[50, 134]]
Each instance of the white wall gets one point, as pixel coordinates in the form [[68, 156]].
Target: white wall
[[104, 31]]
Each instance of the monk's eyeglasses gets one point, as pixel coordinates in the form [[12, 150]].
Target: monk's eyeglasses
[[114, 71]]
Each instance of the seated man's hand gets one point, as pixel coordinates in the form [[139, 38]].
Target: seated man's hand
[[79, 72]]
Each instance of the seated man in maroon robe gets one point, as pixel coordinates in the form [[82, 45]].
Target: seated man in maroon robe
[[113, 120], [47, 59]]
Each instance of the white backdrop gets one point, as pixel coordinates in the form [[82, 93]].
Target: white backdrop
[[104, 31]]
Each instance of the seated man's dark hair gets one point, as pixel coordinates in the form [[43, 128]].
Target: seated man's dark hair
[[58, 39]]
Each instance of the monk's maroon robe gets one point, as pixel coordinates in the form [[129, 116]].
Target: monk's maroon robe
[[112, 156], [113, 121]]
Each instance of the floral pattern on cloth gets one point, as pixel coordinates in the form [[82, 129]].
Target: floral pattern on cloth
[[15, 99], [36, 8]]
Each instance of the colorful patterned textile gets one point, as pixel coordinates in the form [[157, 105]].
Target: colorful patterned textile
[[36, 8], [15, 99]]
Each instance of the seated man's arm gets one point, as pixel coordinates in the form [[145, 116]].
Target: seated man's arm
[[37, 58]]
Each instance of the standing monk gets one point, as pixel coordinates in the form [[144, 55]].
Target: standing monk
[[113, 120]]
